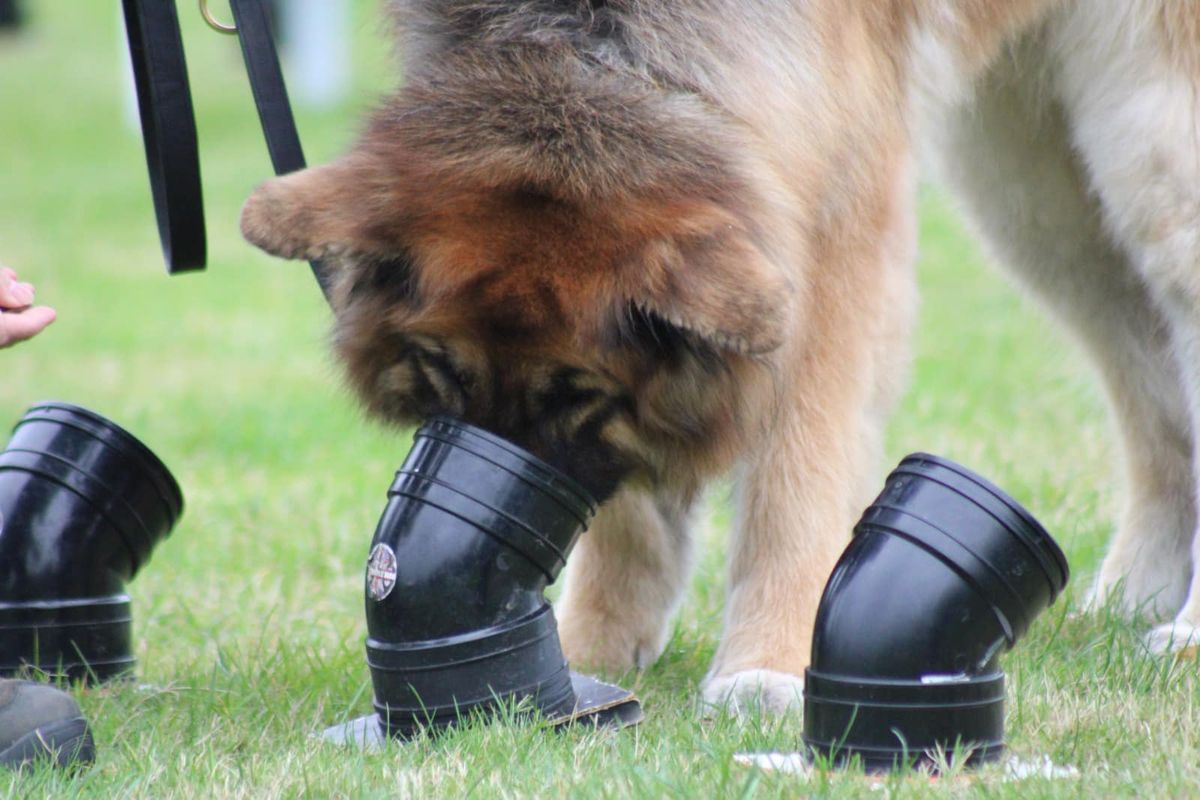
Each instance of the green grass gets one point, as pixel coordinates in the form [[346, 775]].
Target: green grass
[[249, 624]]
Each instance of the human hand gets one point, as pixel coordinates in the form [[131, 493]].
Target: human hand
[[19, 318]]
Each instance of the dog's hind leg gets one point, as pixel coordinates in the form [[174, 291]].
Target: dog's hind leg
[[1009, 157], [624, 581], [1129, 76]]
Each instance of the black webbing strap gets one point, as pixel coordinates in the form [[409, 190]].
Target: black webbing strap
[[168, 130], [270, 96]]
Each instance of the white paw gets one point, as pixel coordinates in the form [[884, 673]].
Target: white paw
[[774, 692], [1179, 638]]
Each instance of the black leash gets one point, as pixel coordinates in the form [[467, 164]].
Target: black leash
[[168, 130], [169, 126], [270, 96]]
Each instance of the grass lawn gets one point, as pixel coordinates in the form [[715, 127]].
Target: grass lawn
[[249, 623]]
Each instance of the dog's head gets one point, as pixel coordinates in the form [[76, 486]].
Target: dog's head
[[573, 260]]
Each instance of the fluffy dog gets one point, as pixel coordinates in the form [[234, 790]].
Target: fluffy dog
[[655, 241]]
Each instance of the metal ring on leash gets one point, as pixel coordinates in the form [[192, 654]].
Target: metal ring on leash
[[213, 22]]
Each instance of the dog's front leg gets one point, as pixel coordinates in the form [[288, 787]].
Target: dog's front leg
[[794, 510], [798, 500], [814, 465]]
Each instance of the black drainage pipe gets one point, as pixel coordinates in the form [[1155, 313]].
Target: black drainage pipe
[[82, 505], [945, 572], [474, 531]]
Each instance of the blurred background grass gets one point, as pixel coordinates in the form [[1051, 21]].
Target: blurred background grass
[[248, 619]]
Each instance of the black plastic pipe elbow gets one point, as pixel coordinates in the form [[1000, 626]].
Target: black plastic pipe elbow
[[82, 505], [945, 572], [474, 531]]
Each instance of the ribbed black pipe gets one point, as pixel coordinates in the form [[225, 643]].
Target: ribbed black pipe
[[82, 505], [945, 572], [474, 531]]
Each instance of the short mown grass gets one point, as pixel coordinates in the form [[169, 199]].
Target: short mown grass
[[249, 621]]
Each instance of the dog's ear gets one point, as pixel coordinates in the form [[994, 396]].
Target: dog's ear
[[715, 282], [334, 209]]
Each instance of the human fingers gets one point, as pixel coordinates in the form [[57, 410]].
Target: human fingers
[[17, 326], [13, 293]]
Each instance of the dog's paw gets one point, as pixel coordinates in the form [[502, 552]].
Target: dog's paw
[[740, 692], [1181, 639], [599, 643]]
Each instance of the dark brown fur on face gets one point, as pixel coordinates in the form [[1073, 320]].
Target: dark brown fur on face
[[527, 239]]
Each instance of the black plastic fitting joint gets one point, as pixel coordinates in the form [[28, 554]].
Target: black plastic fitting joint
[[82, 505], [944, 573], [474, 531]]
